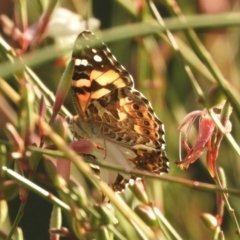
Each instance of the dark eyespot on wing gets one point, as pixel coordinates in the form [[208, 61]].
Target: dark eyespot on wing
[[146, 123], [135, 106]]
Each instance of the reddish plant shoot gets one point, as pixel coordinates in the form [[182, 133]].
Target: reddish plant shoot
[[209, 138]]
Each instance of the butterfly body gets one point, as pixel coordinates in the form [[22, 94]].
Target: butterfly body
[[109, 107]]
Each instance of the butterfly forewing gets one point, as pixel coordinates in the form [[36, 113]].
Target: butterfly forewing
[[106, 101], [96, 72]]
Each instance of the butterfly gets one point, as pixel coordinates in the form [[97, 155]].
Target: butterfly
[[110, 108]]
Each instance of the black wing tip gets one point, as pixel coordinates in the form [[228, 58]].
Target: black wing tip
[[86, 32], [86, 39]]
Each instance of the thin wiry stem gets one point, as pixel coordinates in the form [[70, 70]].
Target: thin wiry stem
[[178, 53], [229, 208], [87, 172], [204, 55], [225, 114], [167, 178], [35, 188]]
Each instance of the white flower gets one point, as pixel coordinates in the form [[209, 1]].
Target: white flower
[[67, 24]]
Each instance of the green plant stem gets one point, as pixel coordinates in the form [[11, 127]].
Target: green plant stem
[[16, 221], [178, 53], [135, 172], [85, 169], [229, 208], [206, 58], [39, 191], [43, 23], [165, 225], [32, 77], [224, 118], [35, 188], [30, 185], [121, 32], [22, 205], [228, 136], [116, 233]]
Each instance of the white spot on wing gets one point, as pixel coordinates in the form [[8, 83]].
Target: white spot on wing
[[97, 58], [94, 50], [77, 62], [122, 116], [84, 62]]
